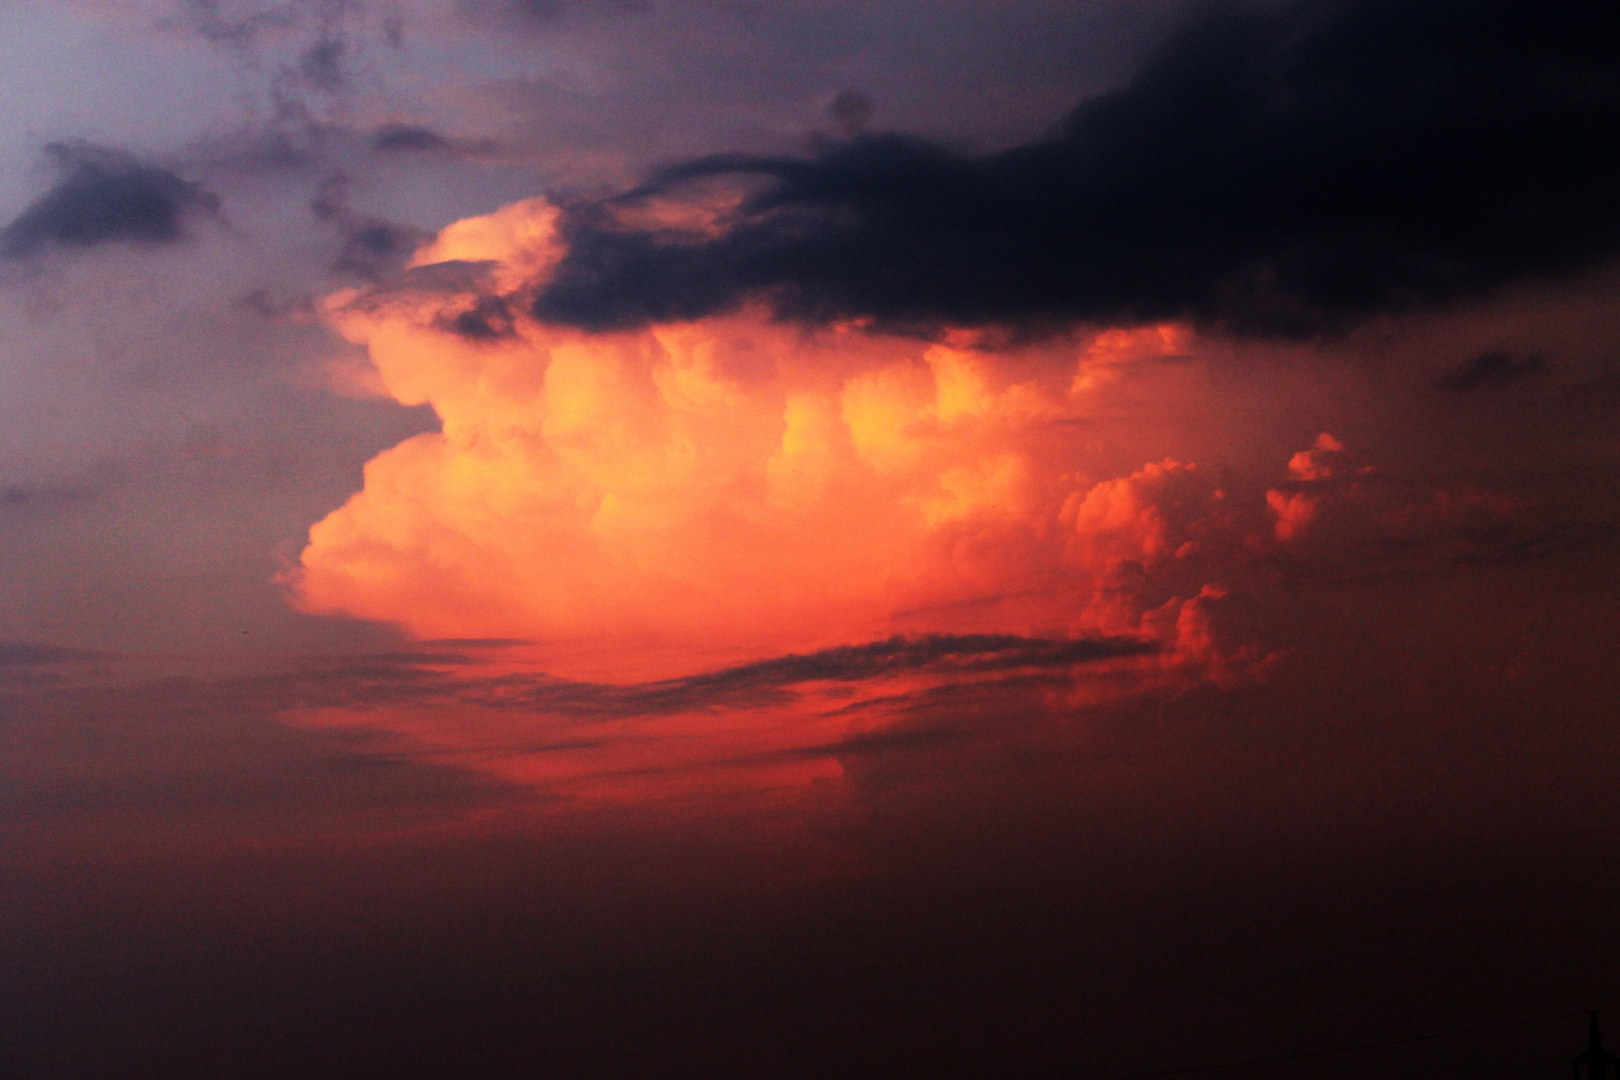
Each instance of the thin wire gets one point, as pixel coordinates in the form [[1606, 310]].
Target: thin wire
[[1349, 1049]]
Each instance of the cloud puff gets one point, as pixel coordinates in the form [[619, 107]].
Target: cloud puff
[[105, 196], [408, 137], [1283, 170], [1149, 540], [1336, 518], [1310, 469], [1492, 369]]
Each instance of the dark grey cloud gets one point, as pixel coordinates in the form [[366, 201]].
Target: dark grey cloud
[[373, 247], [242, 24], [478, 643], [1284, 170], [415, 139], [851, 110], [38, 496], [489, 319], [105, 196], [297, 58], [321, 64], [408, 137], [965, 652], [544, 14], [25, 654], [239, 28], [1491, 369], [370, 247]]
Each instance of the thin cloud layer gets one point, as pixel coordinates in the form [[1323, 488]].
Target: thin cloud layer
[[436, 732], [1291, 171]]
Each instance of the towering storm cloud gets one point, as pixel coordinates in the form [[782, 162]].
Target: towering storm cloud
[[1288, 170], [698, 538], [739, 487]]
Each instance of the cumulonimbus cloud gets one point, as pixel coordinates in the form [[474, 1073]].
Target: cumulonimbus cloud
[[696, 495], [736, 486]]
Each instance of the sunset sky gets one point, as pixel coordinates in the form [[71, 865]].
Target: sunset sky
[[773, 538]]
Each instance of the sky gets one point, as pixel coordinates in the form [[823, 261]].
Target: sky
[[793, 538]]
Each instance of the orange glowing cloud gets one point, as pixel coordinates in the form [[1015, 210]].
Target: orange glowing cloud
[[1297, 510], [652, 501]]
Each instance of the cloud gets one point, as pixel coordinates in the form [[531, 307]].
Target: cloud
[[751, 729], [296, 61], [749, 488], [321, 64], [733, 482], [713, 482], [404, 139], [384, 731], [851, 110], [545, 14], [1492, 369], [105, 196], [1339, 519], [237, 26], [408, 137], [1288, 170], [745, 685], [369, 247], [1310, 469], [145, 762], [960, 652], [40, 496], [477, 676], [25, 654]]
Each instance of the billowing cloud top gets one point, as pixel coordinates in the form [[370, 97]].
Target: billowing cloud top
[[643, 502], [734, 484]]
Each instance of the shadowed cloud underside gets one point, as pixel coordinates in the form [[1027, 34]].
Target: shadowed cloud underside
[[1291, 170]]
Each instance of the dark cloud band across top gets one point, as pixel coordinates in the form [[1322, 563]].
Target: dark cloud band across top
[[1281, 170], [104, 196]]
